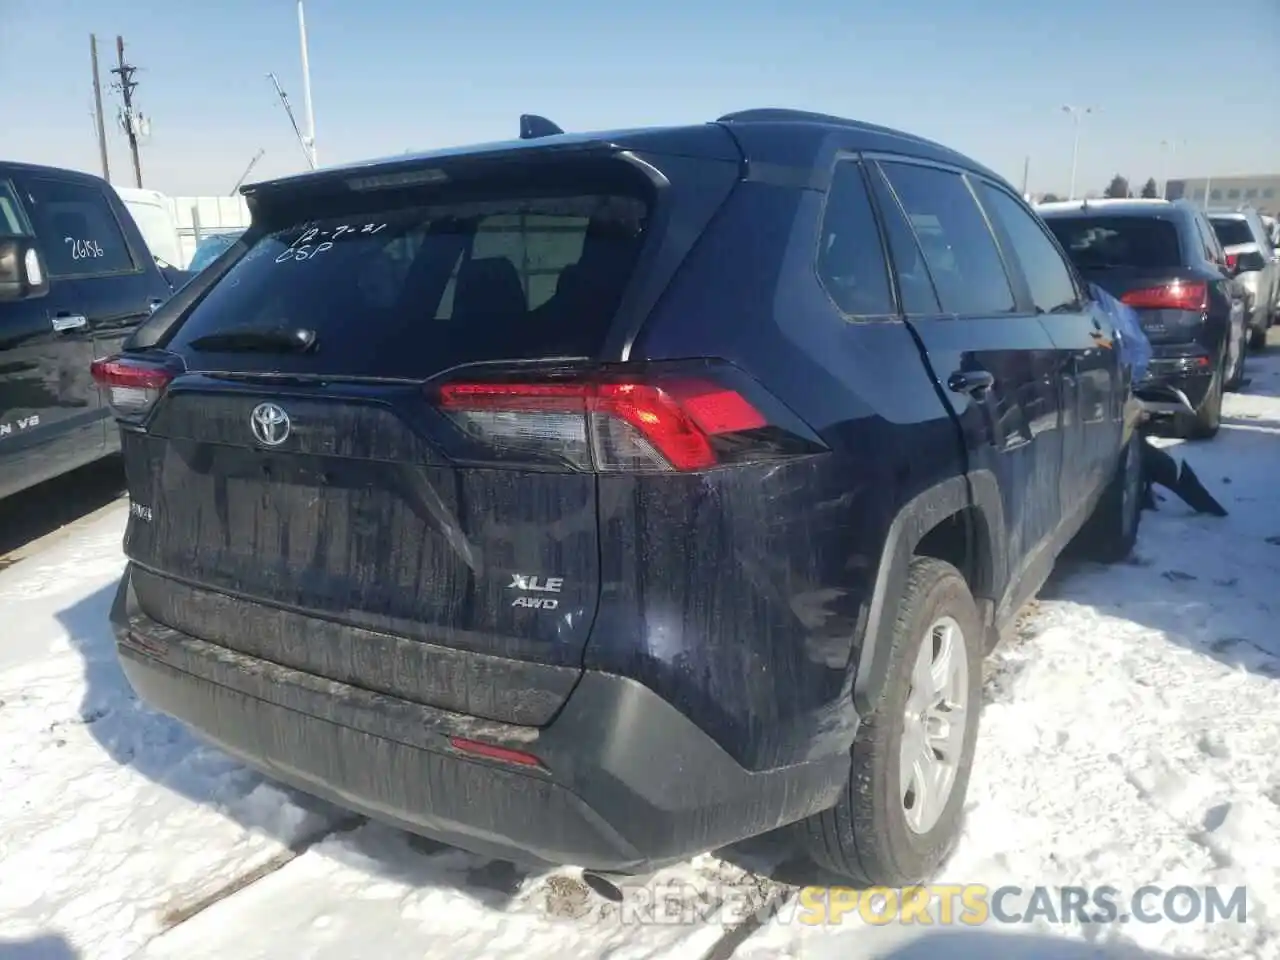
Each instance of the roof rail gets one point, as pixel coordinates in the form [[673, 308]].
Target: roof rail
[[533, 126], [766, 114], [787, 115]]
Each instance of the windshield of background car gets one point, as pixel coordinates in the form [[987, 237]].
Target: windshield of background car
[[1101, 241], [1232, 230]]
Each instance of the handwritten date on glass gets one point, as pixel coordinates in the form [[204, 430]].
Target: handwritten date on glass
[[315, 241], [84, 249]]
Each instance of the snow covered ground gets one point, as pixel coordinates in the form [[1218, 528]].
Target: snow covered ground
[[1129, 739]]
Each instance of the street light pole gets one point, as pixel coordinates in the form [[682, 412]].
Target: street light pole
[[310, 137], [1077, 113], [1170, 148]]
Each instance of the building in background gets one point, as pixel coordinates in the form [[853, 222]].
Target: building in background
[[1262, 192]]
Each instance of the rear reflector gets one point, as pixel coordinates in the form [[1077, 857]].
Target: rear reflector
[[1172, 296], [131, 387], [493, 752], [608, 425]]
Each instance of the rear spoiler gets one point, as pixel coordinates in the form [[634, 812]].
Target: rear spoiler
[[1162, 400]]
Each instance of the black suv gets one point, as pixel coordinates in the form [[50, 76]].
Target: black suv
[[76, 279], [1164, 259], [604, 499]]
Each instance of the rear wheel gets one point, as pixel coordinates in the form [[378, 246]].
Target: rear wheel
[[1237, 375], [1204, 423], [899, 818]]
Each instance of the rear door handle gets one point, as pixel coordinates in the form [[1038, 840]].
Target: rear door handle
[[973, 382], [154, 305], [69, 321]]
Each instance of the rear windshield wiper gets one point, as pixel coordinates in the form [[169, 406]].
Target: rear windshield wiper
[[298, 340]]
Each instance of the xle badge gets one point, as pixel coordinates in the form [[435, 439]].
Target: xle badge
[[527, 584]]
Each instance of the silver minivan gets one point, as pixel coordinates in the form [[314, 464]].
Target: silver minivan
[[1248, 243]]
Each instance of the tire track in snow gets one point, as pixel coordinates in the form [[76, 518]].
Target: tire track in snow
[[182, 913]]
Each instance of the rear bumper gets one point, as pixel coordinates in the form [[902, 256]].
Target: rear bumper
[[628, 783], [1184, 374]]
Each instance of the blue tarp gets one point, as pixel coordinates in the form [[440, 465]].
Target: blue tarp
[[1135, 348]]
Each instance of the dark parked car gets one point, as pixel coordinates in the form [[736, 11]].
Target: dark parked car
[[76, 278], [604, 499], [1163, 259]]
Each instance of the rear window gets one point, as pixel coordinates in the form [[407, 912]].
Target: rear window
[[1094, 242], [1232, 230], [407, 291]]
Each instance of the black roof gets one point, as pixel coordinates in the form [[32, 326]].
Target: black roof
[[774, 136], [1151, 209], [9, 167]]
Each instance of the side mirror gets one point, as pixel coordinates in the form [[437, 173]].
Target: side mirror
[[22, 272]]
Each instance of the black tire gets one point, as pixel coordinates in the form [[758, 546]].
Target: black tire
[[865, 836], [1257, 339], [1111, 531], [1237, 377], [1208, 416]]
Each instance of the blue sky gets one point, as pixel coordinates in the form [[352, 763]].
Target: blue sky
[[987, 77]]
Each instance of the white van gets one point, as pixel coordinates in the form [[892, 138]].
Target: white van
[[153, 212]]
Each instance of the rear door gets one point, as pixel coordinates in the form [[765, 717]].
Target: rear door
[[50, 415], [1093, 394], [115, 282], [994, 361], [321, 480]]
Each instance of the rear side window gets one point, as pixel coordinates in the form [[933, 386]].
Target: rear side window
[[915, 286], [1101, 242], [962, 255], [1052, 289], [1232, 230], [407, 291], [1209, 241], [78, 230], [12, 222], [851, 261]]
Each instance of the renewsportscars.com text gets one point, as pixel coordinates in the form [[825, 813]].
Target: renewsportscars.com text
[[935, 904]]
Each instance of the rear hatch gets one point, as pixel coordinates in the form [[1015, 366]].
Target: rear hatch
[[1138, 259], [307, 485]]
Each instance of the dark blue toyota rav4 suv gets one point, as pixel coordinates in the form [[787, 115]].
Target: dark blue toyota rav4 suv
[[605, 499]]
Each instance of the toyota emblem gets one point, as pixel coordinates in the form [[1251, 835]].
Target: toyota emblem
[[270, 424]]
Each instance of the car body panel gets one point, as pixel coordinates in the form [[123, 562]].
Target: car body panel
[[345, 589]]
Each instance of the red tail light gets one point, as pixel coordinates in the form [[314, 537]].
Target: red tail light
[[493, 752], [672, 424], [1172, 296], [1232, 260], [130, 387]]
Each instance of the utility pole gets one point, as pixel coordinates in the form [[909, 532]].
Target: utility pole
[[244, 176], [1170, 149], [126, 86], [1077, 113], [97, 108], [309, 141], [1026, 175]]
